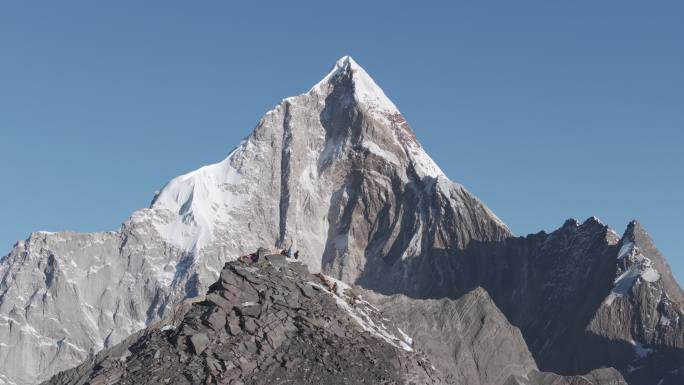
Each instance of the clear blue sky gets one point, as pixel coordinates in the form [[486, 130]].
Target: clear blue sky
[[546, 110]]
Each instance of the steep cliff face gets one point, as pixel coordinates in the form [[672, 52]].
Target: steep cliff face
[[583, 297], [643, 311], [607, 301], [65, 296], [336, 171]]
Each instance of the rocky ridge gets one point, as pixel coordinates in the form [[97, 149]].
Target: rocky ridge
[[268, 323], [274, 322]]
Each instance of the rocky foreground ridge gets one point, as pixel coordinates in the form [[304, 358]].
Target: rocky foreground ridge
[[273, 322], [269, 323]]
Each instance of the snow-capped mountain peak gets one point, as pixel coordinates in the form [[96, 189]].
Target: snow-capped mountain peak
[[345, 115], [366, 91]]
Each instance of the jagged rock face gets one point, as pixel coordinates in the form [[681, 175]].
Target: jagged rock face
[[600, 307], [65, 296], [583, 297], [336, 170], [268, 323], [539, 282], [645, 312]]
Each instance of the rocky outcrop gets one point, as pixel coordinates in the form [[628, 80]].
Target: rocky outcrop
[[268, 323]]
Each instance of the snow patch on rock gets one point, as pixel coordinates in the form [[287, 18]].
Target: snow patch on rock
[[641, 351], [625, 250], [640, 268], [202, 200], [365, 314], [366, 91], [665, 321], [375, 149], [6, 381]]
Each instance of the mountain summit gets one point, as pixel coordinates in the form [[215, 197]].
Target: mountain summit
[[366, 91], [338, 174]]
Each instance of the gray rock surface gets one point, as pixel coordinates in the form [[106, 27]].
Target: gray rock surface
[[583, 297], [469, 339], [309, 329], [603, 376], [471, 342]]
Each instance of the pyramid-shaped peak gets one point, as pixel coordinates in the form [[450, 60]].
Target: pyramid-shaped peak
[[346, 62], [634, 229], [637, 235], [366, 90]]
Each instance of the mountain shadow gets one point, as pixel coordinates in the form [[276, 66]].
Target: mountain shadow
[[551, 286]]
